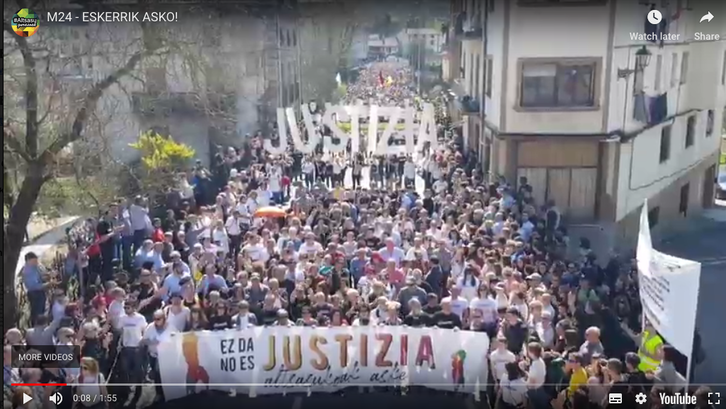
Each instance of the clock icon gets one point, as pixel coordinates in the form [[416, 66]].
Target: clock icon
[[654, 17], [714, 398]]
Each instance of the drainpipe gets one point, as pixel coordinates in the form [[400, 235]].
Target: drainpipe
[[483, 102], [278, 46]]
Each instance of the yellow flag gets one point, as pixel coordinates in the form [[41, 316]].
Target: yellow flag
[[389, 81]]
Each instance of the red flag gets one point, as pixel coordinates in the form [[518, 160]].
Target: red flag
[[381, 80]]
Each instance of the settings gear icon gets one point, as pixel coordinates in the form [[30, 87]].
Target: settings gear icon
[[641, 398]]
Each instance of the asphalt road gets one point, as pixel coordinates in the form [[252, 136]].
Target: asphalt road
[[707, 244]]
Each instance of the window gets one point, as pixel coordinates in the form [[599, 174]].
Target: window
[[674, 70], [683, 203], [658, 72], [294, 38], [282, 38], [653, 215], [552, 85], [665, 143], [488, 79], [690, 130], [684, 68], [709, 122], [432, 42], [723, 70]]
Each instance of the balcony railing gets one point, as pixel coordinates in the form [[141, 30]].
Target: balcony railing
[[468, 28], [469, 105], [181, 103]]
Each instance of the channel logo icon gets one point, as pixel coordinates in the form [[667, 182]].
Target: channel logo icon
[[615, 398]]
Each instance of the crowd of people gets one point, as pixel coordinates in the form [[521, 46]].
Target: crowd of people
[[455, 251]]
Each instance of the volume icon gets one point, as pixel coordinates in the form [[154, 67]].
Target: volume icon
[[56, 398]]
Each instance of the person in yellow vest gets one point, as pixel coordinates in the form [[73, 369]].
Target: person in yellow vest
[[651, 349]]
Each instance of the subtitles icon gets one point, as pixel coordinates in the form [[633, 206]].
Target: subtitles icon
[[615, 398], [654, 17]]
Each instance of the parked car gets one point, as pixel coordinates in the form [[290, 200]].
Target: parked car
[[721, 186]]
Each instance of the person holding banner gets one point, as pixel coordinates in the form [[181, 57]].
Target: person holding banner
[[651, 349]]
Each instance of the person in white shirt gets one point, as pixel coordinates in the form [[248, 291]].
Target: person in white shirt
[[512, 387], [409, 173], [220, 237], [177, 314], [116, 307], [274, 185], [157, 333], [487, 308], [500, 357], [391, 252], [255, 250], [308, 169], [91, 382], [264, 195], [536, 376], [252, 204], [132, 326], [233, 225], [310, 246], [469, 284], [440, 186], [459, 305], [537, 367]]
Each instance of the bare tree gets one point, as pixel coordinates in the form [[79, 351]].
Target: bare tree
[[38, 132]]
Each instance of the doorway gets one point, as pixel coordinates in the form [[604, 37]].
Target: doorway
[[709, 181]]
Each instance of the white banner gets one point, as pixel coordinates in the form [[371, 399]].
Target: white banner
[[668, 290], [269, 360]]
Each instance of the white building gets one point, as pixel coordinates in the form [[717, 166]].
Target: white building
[[560, 87], [431, 38], [381, 47]]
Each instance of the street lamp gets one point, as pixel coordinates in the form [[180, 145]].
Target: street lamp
[[642, 59]]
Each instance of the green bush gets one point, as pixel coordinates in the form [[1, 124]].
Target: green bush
[[722, 159]]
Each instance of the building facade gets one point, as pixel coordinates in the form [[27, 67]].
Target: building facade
[[597, 118]]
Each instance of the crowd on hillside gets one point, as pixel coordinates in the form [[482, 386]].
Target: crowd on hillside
[[463, 252]]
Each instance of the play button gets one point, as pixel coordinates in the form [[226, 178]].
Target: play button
[[26, 398]]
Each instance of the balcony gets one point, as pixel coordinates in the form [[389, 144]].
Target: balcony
[[468, 28], [181, 103], [468, 105]]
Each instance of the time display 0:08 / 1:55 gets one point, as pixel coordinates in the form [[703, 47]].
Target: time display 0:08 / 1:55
[[89, 398]]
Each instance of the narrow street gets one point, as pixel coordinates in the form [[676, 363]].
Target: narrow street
[[707, 244]]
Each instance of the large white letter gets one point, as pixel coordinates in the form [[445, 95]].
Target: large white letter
[[409, 132], [282, 136], [372, 128], [392, 114], [330, 122], [297, 141], [427, 128]]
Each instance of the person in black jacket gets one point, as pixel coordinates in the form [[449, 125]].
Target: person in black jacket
[[515, 330]]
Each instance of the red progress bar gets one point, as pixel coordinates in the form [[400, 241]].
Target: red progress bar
[[38, 384]]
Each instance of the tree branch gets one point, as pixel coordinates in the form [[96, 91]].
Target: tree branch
[[89, 104], [31, 94], [14, 145]]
